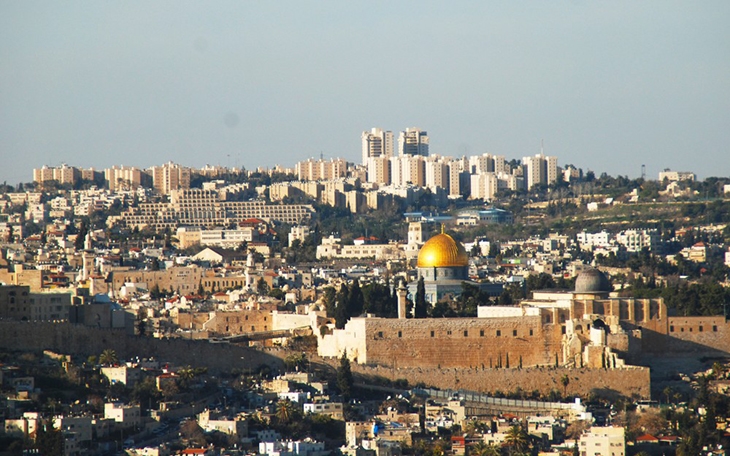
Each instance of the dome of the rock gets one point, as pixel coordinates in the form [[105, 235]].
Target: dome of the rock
[[442, 251]]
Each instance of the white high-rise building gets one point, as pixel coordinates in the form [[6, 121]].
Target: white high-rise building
[[413, 141], [458, 176], [125, 178], [484, 186], [169, 177], [487, 163], [408, 170], [437, 173], [540, 170], [414, 171], [376, 143], [379, 170]]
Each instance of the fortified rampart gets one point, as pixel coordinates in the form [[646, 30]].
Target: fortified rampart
[[687, 335], [448, 342], [85, 341], [630, 382]]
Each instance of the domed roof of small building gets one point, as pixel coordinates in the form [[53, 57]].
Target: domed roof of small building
[[592, 281], [442, 251]]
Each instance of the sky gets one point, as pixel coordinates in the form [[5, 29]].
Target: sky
[[605, 86]]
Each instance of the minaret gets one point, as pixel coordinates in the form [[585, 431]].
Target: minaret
[[250, 264], [87, 258], [402, 292]]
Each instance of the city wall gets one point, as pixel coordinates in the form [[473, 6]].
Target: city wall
[[84, 341], [630, 382]]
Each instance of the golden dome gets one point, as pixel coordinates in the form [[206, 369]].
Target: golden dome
[[442, 251]]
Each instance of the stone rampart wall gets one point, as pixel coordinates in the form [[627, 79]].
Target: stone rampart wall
[[463, 342], [633, 381], [85, 341]]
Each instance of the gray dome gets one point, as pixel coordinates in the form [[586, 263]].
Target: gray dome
[[592, 281]]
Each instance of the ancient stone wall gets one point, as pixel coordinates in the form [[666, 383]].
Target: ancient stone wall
[[463, 342], [85, 341], [634, 381]]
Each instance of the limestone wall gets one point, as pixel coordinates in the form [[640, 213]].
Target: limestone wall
[[450, 342], [85, 341], [633, 381]]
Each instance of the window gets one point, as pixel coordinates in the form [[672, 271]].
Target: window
[[448, 333], [514, 333], [466, 333], [530, 332], [700, 328], [499, 333], [562, 329], [433, 333], [671, 329], [714, 328], [481, 333], [380, 334], [400, 333]]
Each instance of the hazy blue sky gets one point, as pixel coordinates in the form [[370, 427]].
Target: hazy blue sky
[[607, 85]]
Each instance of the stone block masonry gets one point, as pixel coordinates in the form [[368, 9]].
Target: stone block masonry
[[629, 382], [78, 340], [84, 341]]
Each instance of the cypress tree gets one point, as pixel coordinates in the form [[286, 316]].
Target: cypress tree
[[421, 309], [355, 300], [345, 381]]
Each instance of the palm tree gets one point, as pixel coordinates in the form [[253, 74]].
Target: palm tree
[[186, 374], [285, 411], [517, 440], [484, 449], [108, 357], [667, 392], [474, 427]]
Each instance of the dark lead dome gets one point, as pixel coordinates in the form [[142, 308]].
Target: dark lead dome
[[592, 281]]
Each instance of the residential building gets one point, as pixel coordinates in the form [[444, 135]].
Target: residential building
[[313, 170], [81, 426], [379, 170], [210, 209], [676, 176], [126, 178], [128, 415], [299, 233], [603, 441], [62, 175], [376, 143], [413, 141], [637, 239], [129, 375], [540, 169], [169, 177], [436, 173], [332, 409]]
